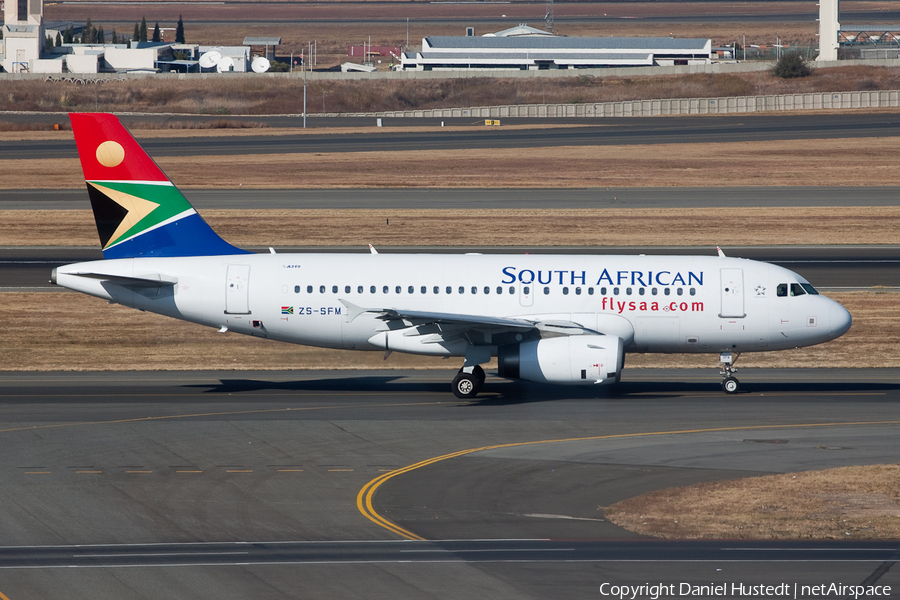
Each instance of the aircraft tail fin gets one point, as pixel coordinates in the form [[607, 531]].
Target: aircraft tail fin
[[138, 211]]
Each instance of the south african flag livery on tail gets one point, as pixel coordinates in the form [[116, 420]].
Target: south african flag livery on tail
[[138, 211]]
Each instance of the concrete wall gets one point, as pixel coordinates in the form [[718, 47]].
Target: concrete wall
[[83, 63], [124, 59], [47, 65]]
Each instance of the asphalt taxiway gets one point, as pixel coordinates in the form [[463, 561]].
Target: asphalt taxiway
[[593, 132], [309, 483]]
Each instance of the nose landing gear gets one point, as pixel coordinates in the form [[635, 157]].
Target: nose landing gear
[[730, 383]]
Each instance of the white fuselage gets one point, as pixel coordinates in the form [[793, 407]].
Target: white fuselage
[[655, 303]]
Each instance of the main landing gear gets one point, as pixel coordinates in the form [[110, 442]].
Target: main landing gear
[[730, 384], [466, 385]]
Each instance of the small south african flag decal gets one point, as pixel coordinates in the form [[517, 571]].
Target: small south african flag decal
[[287, 310]]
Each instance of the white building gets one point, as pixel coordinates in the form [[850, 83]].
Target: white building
[[526, 52], [23, 34]]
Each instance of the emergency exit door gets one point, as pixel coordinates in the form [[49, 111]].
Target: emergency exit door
[[237, 290], [732, 284]]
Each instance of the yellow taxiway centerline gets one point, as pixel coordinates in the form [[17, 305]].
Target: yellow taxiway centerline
[[366, 494]]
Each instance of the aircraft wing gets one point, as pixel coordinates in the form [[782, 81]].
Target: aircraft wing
[[455, 324]]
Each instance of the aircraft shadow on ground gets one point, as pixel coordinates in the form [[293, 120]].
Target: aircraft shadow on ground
[[507, 392]]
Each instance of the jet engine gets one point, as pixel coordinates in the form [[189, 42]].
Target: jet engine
[[575, 359]]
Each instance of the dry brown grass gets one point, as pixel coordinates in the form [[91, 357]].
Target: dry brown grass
[[65, 331], [495, 227], [853, 162], [283, 95], [844, 503]]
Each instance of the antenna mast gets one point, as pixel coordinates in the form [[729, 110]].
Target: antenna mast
[[548, 17]]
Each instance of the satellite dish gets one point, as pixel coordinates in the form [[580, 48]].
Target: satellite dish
[[210, 59], [260, 64], [225, 64]]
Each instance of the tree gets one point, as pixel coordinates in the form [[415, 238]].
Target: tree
[[137, 33], [68, 35], [100, 36], [156, 36], [143, 32], [58, 40], [790, 65], [115, 38], [48, 44], [179, 31], [87, 34]]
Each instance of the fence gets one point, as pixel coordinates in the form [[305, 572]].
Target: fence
[[675, 106]]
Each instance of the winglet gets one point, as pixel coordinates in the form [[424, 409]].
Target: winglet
[[372, 249], [138, 211], [721, 254]]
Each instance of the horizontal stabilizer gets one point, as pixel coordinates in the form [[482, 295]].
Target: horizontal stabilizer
[[144, 281]]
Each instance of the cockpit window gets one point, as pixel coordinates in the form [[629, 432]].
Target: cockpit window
[[797, 290], [781, 290], [809, 289]]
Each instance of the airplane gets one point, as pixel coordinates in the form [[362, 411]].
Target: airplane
[[564, 319]]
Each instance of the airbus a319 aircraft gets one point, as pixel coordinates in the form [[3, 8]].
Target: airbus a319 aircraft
[[553, 318]]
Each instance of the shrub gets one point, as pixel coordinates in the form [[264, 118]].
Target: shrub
[[790, 65]]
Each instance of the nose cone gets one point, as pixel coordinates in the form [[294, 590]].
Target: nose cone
[[839, 320]]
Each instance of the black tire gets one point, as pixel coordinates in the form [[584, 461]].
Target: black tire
[[465, 386], [730, 385]]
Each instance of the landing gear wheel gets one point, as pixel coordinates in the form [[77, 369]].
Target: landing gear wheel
[[465, 386], [730, 385]]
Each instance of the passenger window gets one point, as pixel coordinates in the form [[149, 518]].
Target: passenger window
[[309, 289], [628, 291], [781, 290], [603, 291], [321, 289], [437, 289], [474, 290], [681, 291], [449, 290], [693, 291], [641, 291], [578, 291], [424, 290], [359, 290], [590, 291], [526, 290], [411, 290], [462, 290], [334, 289], [653, 292], [565, 291], [398, 289], [797, 290], [499, 290], [296, 289], [546, 291], [372, 289], [487, 290], [385, 290], [346, 289], [667, 291], [512, 290]]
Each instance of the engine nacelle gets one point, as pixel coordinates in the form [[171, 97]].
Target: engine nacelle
[[574, 359]]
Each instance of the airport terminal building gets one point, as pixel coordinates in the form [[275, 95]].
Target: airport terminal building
[[553, 52]]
